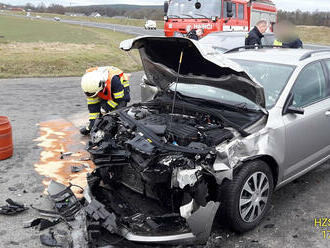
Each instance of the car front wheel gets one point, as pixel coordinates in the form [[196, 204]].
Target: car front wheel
[[247, 198]]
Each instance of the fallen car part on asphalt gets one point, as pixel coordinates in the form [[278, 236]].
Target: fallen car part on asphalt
[[49, 239], [42, 223], [12, 208], [65, 154], [75, 168], [65, 202]]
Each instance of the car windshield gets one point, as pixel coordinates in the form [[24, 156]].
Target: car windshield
[[264, 73], [187, 9], [273, 77]]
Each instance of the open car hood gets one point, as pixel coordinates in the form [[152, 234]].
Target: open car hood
[[160, 57]]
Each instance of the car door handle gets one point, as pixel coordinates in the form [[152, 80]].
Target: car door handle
[[327, 114]]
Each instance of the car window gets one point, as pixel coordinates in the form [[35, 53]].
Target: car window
[[310, 86], [273, 77], [225, 11], [240, 11], [268, 40], [327, 63]]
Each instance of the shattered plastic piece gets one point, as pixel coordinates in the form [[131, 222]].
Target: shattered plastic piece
[[65, 154], [64, 200], [269, 226], [46, 213], [185, 211], [75, 168], [12, 208], [187, 177], [201, 221], [42, 223], [97, 211], [85, 159], [49, 239]]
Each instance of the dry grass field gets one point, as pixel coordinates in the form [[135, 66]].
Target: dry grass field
[[33, 48]]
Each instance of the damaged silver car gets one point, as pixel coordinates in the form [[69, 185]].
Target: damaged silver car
[[215, 137]]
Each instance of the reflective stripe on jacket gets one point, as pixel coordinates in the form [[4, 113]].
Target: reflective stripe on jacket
[[277, 43]]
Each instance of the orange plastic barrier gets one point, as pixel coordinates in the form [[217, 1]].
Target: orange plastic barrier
[[6, 139]]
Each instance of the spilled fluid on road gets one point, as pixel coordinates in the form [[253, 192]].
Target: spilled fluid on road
[[59, 137]]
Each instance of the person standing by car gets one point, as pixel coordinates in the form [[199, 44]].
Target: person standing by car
[[194, 34], [256, 34], [106, 88], [286, 35]]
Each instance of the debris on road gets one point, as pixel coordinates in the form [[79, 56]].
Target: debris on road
[[12, 189], [42, 223], [75, 168], [12, 208], [85, 159], [65, 202], [65, 154], [49, 239], [269, 226]]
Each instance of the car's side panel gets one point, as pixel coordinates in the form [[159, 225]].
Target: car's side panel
[[307, 135]]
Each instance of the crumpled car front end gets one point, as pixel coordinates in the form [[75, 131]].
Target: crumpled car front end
[[160, 164], [151, 183]]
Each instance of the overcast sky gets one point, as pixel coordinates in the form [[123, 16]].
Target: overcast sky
[[281, 4]]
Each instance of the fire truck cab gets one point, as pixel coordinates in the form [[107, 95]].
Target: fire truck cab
[[216, 15]]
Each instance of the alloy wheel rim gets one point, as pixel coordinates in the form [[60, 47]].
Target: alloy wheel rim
[[254, 196]]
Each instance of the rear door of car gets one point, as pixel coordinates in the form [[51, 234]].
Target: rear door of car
[[308, 135]]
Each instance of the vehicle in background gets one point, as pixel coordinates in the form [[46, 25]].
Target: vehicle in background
[[38, 17], [150, 24], [217, 15], [57, 19], [224, 41]]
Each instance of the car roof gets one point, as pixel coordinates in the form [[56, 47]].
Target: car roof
[[270, 55], [233, 33]]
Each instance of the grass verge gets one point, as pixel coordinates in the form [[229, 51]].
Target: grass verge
[[314, 34], [36, 48]]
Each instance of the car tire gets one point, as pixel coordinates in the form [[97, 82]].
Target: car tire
[[242, 209]]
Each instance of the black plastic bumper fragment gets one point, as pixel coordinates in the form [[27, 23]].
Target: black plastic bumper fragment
[[97, 211]]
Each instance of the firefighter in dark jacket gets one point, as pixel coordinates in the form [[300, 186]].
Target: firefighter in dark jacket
[[256, 34], [106, 88]]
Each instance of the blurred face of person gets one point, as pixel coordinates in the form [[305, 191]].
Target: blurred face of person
[[284, 30]]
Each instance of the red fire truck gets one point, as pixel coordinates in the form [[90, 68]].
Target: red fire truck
[[216, 15]]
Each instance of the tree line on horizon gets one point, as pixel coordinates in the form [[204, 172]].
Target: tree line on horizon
[[298, 17]]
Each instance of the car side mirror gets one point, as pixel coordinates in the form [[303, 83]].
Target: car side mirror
[[198, 5], [166, 7], [229, 9], [290, 109]]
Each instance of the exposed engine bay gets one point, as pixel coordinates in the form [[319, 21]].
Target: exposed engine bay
[[154, 168]]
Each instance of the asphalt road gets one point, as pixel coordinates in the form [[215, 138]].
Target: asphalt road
[[138, 31], [27, 102]]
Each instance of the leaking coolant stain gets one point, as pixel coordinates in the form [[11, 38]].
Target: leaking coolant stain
[[58, 137]]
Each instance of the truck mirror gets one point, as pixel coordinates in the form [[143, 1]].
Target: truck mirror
[[229, 9], [198, 5], [165, 7]]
